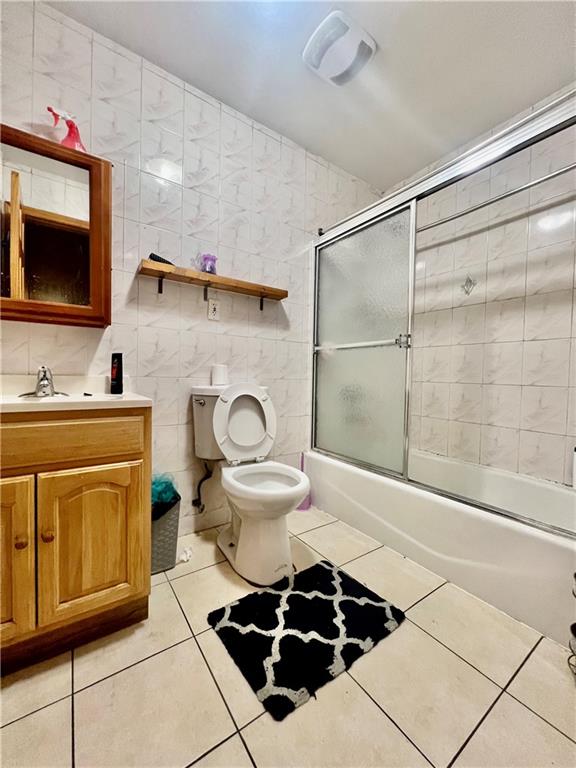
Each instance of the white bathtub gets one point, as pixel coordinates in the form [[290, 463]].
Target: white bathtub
[[520, 569], [549, 503]]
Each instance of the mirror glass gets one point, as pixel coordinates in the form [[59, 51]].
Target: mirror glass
[[45, 228]]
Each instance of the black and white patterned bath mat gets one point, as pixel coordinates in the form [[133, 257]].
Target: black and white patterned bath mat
[[292, 638]]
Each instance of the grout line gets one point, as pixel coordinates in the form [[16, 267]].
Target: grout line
[[264, 712], [207, 664], [314, 528], [427, 594], [530, 652], [237, 729], [134, 664], [33, 712], [540, 716], [196, 570], [469, 663], [394, 723], [491, 707], [243, 740], [325, 557], [526, 705], [475, 729], [203, 632], [209, 751], [358, 557], [312, 548]]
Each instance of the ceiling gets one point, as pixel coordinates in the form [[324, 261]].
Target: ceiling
[[444, 73]]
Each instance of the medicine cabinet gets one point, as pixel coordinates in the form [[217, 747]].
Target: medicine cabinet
[[55, 232]]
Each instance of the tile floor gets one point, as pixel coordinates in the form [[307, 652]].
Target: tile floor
[[459, 683]]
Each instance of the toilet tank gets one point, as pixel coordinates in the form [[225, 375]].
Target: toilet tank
[[203, 401]]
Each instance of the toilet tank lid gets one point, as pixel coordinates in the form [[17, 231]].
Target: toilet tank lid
[[214, 390]]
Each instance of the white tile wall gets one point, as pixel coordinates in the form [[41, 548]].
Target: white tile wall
[[190, 175], [507, 396]]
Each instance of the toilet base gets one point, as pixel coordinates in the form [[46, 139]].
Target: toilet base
[[260, 551]]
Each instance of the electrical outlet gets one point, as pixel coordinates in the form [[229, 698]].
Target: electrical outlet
[[213, 309]]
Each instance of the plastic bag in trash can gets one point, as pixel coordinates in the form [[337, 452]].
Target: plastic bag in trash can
[[164, 495]]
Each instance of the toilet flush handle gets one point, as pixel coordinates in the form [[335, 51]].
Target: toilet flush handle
[[200, 401]]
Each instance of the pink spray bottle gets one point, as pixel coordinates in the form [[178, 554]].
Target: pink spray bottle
[[72, 138]]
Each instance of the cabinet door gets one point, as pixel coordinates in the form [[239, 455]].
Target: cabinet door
[[17, 588], [93, 539]]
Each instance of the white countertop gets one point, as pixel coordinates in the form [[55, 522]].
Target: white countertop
[[79, 402], [76, 386]]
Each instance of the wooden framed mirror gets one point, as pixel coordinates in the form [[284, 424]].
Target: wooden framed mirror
[[55, 234]]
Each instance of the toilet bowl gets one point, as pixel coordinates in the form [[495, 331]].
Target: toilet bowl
[[238, 423]]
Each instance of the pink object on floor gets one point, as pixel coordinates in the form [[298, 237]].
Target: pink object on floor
[[307, 503], [72, 138]]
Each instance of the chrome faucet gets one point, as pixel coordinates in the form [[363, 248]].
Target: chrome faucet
[[44, 385]]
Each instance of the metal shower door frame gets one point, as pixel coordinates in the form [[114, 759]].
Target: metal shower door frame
[[316, 348], [538, 125]]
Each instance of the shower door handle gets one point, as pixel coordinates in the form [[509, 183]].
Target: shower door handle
[[404, 341]]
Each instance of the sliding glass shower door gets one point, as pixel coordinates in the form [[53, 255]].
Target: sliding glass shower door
[[361, 340]]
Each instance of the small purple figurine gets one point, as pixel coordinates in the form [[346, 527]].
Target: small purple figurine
[[208, 263]]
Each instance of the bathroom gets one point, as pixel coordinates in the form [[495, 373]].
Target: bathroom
[[378, 383]]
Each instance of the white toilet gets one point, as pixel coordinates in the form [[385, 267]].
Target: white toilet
[[238, 423]]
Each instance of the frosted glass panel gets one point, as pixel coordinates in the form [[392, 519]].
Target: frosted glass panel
[[363, 284], [360, 404]]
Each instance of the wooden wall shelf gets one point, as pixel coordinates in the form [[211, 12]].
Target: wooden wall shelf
[[204, 279]]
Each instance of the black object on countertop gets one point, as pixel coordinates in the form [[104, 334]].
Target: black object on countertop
[[116, 374]]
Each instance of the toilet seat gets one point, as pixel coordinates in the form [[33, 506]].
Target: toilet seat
[[244, 423]]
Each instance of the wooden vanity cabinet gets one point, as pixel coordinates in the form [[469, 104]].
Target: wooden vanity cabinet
[[17, 580], [75, 531]]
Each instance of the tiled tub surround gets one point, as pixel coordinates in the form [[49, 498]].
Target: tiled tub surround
[[494, 375], [190, 176], [459, 683]]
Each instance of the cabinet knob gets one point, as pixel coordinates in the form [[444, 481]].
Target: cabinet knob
[[47, 537], [20, 543]]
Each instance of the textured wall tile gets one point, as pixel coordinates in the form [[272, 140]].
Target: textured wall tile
[[544, 409], [499, 448], [503, 363], [542, 455], [201, 168], [501, 405], [466, 402], [16, 95], [17, 28], [62, 53], [466, 363], [162, 102], [550, 268], [505, 320], [548, 315], [201, 122], [116, 80], [161, 152], [160, 203], [546, 362], [434, 435], [464, 441], [115, 134]]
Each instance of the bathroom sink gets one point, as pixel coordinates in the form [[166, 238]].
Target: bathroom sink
[[78, 401]]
